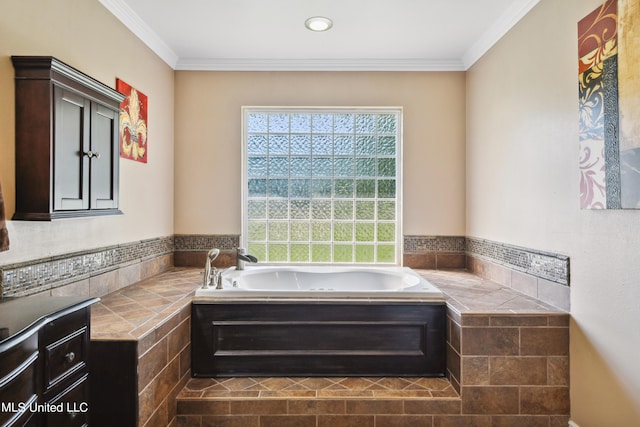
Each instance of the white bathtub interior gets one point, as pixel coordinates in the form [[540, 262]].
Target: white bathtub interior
[[323, 282]]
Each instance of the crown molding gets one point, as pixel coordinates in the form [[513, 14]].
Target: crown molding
[[348, 64], [505, 22], [121, 10]]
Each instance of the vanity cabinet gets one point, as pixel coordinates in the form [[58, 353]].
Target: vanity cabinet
[[44, 361], [67, 141]]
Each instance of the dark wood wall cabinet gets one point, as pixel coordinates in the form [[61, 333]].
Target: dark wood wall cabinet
[[44, 361], [67, 141]]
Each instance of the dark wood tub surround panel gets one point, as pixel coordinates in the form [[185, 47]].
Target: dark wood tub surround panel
[[318, 339]]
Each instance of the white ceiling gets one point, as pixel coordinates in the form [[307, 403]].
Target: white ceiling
[[430, 35]]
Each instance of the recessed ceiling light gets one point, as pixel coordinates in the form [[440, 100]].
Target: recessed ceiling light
[[318, 23]]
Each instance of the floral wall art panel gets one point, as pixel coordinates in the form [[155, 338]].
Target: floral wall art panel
[[133, 123], [609, 94], [597, 64]]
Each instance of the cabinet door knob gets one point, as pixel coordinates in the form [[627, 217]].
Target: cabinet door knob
[[70, 356], [92, 154]]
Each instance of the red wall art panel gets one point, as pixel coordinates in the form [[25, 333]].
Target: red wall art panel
[[133, 123]]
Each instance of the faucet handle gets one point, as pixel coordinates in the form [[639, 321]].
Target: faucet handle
[[214, 276], [217, 278]]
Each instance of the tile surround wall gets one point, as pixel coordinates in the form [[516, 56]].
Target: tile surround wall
[[545, 265], [434, 252], [511, 366], [535, 273], [521, 356], [553, 293], [542, 275], [51, 273], [167, 367], [191, 249], [428, 252]]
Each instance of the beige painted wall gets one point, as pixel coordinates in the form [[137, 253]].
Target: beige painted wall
[[208, 139], [86, 36], [523, 188]]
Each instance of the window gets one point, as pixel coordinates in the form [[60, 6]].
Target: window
[[322, 185]]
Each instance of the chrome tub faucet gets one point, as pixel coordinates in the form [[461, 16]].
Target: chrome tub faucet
[[211, 274], [242, 257]]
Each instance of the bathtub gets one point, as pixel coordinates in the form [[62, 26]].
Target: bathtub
[[319, 321], [323, 282]]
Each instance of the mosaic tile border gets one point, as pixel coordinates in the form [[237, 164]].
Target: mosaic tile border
[[549, 266], [421, 244], [412, 244], [35, 276], [204, 242]]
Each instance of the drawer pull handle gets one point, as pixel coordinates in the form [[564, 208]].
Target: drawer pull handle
[[70, 356]]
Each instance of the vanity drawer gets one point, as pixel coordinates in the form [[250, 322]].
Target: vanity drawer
[[65, 357], [16, 354], [73, 406], [19, 390], [60, 327]]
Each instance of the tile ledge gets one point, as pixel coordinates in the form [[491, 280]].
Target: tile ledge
[[457, 285]]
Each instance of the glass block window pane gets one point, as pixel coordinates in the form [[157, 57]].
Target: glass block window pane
[[322, 185], [299, 231], [278, 232], [278, 209], [343, 209], [278, 252], [299, 252], [301, 123], [343, 253], [321, 231], [257, 209], [257, 231], [320, 253]]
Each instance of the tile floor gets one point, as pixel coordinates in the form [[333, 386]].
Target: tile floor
[[318, 387]]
